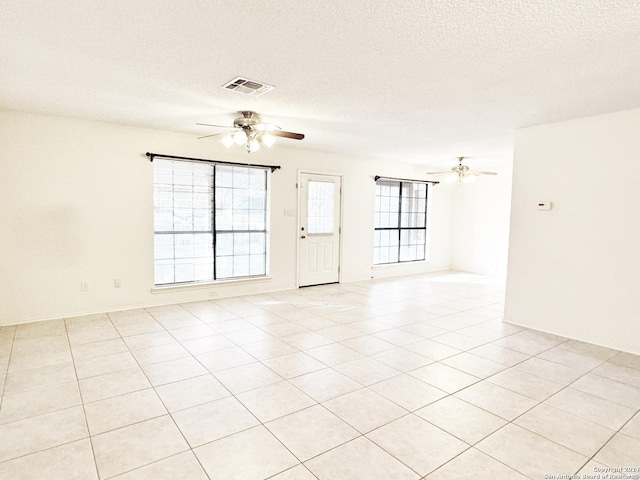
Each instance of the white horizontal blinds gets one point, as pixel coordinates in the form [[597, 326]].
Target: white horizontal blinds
[[183, 202], [209, 221], [400, 221], [320, 207], [240, 221]]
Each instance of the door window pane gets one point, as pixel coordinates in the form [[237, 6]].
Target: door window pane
[[320, 207]]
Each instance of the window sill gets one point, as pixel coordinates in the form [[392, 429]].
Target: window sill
[[202, 285], [398, 264]]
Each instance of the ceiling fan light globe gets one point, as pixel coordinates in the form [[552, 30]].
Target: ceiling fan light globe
[[240, 138], [268, 139], [227, 141], [254, 145], [468, 179]]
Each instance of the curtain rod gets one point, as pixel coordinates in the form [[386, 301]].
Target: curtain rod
[[378, 177], [220, 162]]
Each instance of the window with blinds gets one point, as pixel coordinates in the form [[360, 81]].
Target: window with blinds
[[210, 222], [400, 233]]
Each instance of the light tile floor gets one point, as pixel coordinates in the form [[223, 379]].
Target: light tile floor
[[413, 377]]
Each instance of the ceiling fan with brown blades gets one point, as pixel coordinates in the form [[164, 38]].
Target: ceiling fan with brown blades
[[250, 131], [460, 173]]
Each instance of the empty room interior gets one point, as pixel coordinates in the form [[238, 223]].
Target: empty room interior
[[319, 240]]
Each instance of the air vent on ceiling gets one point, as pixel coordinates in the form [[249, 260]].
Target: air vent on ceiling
[[248, 87]]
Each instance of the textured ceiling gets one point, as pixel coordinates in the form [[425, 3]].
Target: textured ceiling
[[412, 80]]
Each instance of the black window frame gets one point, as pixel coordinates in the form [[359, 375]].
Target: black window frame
[[399, 228]]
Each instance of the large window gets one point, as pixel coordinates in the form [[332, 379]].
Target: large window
[[401, 222], [210, 221]]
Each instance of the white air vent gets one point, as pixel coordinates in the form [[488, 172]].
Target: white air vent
[[248, 87]]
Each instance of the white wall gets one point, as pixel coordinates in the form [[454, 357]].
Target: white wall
[[480, 236], [575, 270], [76, 205]]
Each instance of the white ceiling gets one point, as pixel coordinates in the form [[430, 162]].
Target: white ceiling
[[413, 80]]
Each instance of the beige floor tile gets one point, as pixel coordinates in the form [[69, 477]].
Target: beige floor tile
[[368, 345], [246, 337], [474, 365], [497, 400], [21, 405], [299, 472], [73, 461], [632, 429], [294, 364], [592, 408], [48, 328], [621, 451], [247, 377], [312, 431], [160, 354], [526, 384], [199, 346], [325, 384], [182, 466], [408, 392], [398, 337], [366, 371], [40, 378], [198, 330], [573, 432], [401, 359], [461, 419], [623, 394], [211, 421], [425, 330], [364, 409], [173, 371], [225, 358], [417, 443], [27, 359], [98, 349], [284, 329], [525, 344], [306, 340], [112, 385], [461, 342], [137, 445], [147, 340], [551, 371], [569, 358], [444, 377], [252, 454], [472, 465], [529, 453], [626, 360], [274, 401], [619, 373], [39, 433], [359, 459], [432, 350], [117, 412], [92, 367], [269, 349], [592, 468], [333, 354], [191, 392], [499, 354]]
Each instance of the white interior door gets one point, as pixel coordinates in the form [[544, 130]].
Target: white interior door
[[319, 235]]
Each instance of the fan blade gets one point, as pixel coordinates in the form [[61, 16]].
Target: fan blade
[[266, 127], [439, 173], [210, 125], [282, 133], [213, 135], [483, 173]]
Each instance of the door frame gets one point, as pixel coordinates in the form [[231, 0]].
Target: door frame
[[298, 222]]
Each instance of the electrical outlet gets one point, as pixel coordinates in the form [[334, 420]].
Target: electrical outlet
[[84, 286], [116, 283]]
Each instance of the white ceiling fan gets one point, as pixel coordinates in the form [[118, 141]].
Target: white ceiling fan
[[249, 130], [460, 173]]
